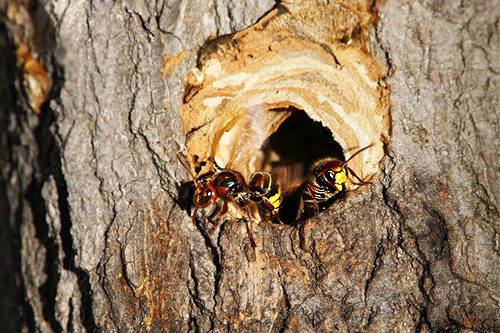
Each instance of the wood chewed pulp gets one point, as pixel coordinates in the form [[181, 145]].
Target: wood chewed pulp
[[246, 86]]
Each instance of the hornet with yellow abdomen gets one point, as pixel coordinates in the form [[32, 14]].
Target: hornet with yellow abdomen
[[326, 179], [267, 196]]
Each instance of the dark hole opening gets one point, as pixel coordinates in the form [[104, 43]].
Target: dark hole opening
[[298, 143]]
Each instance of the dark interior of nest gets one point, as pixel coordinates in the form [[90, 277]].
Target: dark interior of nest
[[289, 153]]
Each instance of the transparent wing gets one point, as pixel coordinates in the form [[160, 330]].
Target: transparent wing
[[252, 136], [292, 181], [289, 177]]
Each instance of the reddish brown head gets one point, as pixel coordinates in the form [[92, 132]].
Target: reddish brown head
[[205, 192]]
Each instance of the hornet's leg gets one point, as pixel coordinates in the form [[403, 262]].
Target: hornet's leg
[[194, 214], [218, 218], [223, 211], [311, 193]]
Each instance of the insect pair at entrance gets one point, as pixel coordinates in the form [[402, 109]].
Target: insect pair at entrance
[[325, 180], [267, 192], [227, 185]]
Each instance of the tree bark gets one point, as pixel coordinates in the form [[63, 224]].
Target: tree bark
[[94, 236]]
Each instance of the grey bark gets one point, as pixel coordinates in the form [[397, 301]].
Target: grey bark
[[93, 238]]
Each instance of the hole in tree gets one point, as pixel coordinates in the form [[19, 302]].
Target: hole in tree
[[290, 152]]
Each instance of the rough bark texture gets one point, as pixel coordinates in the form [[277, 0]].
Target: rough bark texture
[[93, 237]]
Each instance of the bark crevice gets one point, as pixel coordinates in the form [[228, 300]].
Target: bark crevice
[[91, 179]]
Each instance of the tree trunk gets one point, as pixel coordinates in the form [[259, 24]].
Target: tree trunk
[[94, 235]]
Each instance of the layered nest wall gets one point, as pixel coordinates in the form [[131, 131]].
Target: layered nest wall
[[265, 98]]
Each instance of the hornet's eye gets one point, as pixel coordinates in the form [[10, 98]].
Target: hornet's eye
[[203, 196], [330, 177]]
